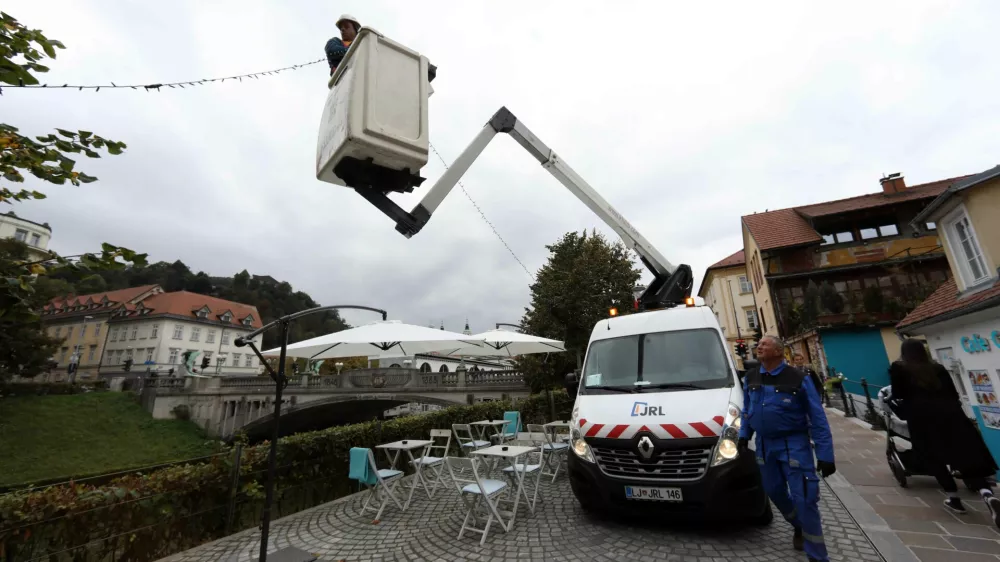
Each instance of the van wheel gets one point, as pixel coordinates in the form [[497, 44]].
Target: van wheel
[[765, 518]]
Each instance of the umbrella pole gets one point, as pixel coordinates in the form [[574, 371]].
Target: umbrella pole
[[272, 455]]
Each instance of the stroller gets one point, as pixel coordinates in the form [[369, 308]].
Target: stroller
[[903, 461]]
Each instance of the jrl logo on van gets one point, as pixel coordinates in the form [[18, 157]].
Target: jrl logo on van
[[644, 409]]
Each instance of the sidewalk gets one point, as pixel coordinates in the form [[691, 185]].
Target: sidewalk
[[906, 524]]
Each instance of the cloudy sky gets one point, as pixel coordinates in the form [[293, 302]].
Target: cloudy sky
[[684, 115]]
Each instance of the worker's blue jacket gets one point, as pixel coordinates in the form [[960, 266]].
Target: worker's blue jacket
[[783, 406], [335, 51]]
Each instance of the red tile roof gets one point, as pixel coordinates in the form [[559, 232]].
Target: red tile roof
[[872, 200], [730, 261], [784, 228], [119, 296], [780, 229], [946, 299], [187, 304]]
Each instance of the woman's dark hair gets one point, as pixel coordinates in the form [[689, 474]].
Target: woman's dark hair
[[913, 351]]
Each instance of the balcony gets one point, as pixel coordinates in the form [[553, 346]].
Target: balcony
[[856, 254], [880, 296]]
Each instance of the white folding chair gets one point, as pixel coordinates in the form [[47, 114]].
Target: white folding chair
[[476, 491], [432, 461], [466, 441], [556, 450], [532, 465], [383, 488]]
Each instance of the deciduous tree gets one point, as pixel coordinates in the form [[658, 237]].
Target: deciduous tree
[[585, 276]]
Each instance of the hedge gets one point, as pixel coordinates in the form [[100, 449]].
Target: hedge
[[144, 517], [53, 388]]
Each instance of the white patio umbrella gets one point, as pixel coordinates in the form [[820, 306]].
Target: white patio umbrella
[[500, 343], [378, 338]]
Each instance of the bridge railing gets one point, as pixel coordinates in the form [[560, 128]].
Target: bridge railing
[[387, 378]]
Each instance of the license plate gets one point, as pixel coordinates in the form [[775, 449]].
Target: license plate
[[653, 494]]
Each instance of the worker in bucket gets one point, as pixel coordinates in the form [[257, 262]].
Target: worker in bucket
[[337, 47], [783, 409]]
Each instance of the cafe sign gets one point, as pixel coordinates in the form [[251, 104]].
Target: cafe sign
[[978, 344]]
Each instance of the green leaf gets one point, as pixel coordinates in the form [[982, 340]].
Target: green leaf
[[85, 134], [48, 48], [66, 133], [84, 178], [38, 195], [115, 148], [105, 247], [66, 164]]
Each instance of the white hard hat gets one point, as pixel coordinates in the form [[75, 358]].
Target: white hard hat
[[350, 18]]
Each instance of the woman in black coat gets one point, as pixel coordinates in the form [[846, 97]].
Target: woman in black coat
[[942, 435]]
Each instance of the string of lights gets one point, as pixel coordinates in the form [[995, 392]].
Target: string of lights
[[156, 86]]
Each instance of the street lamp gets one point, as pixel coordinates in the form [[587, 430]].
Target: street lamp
[[339, 366], [280, 381]]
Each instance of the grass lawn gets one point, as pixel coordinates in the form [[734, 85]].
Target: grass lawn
[[48, 437]]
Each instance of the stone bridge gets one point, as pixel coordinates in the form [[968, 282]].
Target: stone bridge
[[222, 405]]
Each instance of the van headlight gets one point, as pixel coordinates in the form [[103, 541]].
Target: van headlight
[[580, 447], [727, 449]]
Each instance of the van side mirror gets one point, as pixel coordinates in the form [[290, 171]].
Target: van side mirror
[[749, 365], [572, 383]]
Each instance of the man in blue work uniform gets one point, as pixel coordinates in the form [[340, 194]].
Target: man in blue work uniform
[[781, 406]]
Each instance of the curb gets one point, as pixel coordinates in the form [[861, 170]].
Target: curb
[[883, 538]]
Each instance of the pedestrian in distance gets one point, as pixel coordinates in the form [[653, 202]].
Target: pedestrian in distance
[[784, 411], [337, 47], [939, 428], [800, 362]]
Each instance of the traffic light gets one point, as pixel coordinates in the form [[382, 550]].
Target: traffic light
[[128, 365], [204, 362], [741, 349]]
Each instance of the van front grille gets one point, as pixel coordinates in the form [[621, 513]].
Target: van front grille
[[666, 465]]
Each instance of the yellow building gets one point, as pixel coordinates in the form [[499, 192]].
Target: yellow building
[[729, 293], [961, 320], [82, 323], [834, 278]]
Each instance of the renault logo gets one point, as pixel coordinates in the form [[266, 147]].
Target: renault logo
[[646, 447]]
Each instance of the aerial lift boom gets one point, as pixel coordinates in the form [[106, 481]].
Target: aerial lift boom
[[671, 284]]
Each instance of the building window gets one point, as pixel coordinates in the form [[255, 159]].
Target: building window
[[879, 232], [225, 338], [973, 266], [210, 337], [36, 240], [745, 286], [97, 329], [128, 354], [135, 332], [69, 333], [249, 361], [425, 368], [202, 314], [195, 333], [178, 332], [114, 334], [109, 357], [154, 332], [751, 318], [62, 354], [21, 235], [119, 355], [236, 359], [91, 353], [226, 317], [931, 226], [443, 369], [174, 352]]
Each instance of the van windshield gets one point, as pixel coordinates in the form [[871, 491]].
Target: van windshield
[[681, 360]]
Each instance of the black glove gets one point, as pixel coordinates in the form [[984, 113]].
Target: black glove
[[743, 445], [826, 468]]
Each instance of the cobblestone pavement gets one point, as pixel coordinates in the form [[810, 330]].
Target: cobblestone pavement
[[558, 531]]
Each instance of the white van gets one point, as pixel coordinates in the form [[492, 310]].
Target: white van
[[656, 420]]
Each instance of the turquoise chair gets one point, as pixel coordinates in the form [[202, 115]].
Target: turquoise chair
[[380, 482], [511, 428]]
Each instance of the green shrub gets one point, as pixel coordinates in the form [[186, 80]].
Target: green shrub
[[50, 388], [143, 517]]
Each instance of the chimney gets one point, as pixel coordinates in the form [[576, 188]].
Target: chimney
[[893, 183]]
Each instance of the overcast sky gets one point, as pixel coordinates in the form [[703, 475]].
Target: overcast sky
[[684, 115]]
